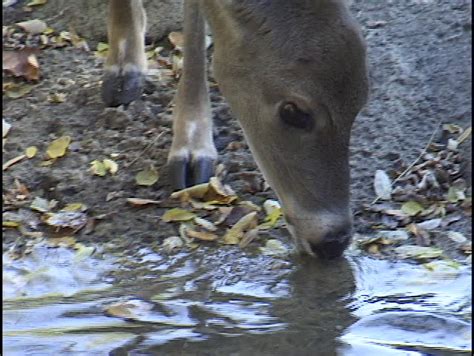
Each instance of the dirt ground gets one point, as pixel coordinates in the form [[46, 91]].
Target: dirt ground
[[420, 70]]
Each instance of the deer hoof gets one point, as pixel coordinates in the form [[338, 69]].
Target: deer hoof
[[121, 88], [185, 173]]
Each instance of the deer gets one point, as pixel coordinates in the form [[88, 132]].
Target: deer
[[294, 74]]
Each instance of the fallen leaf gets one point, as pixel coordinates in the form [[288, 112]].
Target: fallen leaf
[[10, 224], [412, 208], [456, 237], [22, 63], [57, 98], [147, 177], [65, 241], [98, 168], [274, 248], [195, 192], [110, 165], [13, 161], [5, 128], [37, 2], [206, 224], [373, 248], [455, 194], [171, 243], [67, 219], [34, 26], [465, 135], [58, 147], [271, 219], [236, 232], [47, 163], [102, 50], [75, 207], [177, 40], [201, 235], [40, 204], [248, 237], [17, 90], [452, 145], [31, 151], [177, 214], [141, 202], [218, 193], [430, 224], [452, 128], [418, 252], [382, 185]]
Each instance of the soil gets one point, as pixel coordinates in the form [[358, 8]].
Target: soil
[[419, 57]]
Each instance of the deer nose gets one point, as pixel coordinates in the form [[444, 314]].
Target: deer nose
[[332, 245]]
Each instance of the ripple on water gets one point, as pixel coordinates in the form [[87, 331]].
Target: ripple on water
[[230, 301]]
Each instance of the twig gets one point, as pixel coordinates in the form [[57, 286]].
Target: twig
[[145, 149], [414, 162]]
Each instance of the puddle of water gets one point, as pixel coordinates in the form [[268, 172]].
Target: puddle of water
[[219, 302]]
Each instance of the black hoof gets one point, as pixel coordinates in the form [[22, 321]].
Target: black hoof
[[122, 88], [183, 173]]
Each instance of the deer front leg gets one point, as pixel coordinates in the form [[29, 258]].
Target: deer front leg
[[126, 61], [192, 155]]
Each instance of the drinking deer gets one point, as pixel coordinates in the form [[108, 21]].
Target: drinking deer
[[294, 74]]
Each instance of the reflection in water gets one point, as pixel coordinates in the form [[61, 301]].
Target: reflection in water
[[223, 302]]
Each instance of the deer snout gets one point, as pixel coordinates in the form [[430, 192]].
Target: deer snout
[[323, 236]]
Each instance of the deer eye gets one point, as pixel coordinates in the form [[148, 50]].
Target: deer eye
[[295, 117]]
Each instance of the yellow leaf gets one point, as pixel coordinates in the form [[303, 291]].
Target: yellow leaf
[[197, 192], [48, 31], [75, 207], [47, 163], [236, 232], [147, 177], [31, 151], [177, 214], [57, 98], [98, 168], [412, 208], [58, 147], [10, 224], [110, 165], [102, 47]]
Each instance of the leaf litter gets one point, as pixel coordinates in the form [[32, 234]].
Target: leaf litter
[[218, 215], [423, 197]]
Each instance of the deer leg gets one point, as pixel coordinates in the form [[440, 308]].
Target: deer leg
[[126, 61], [192, 155]]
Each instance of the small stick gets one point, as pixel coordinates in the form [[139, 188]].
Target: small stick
[[145, 149], [415, 161]]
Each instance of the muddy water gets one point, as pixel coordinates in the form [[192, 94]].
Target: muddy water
[[226, 302]]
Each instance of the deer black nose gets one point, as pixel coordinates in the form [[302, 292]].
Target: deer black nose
[[332, 246]]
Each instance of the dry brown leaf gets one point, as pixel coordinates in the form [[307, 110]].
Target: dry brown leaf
[[177, 40], [141, 202], [201, 235], [34, 26], [22, 63]]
